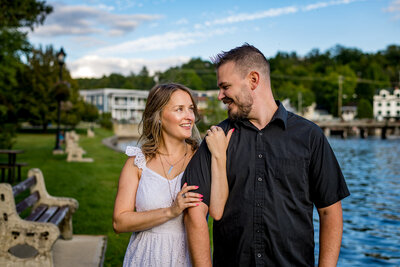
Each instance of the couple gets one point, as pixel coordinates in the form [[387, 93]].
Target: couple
[[259, 181]]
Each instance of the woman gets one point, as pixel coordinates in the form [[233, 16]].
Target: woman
[[149, 200]]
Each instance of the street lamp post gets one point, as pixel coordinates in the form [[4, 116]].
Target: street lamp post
[[61, 60]]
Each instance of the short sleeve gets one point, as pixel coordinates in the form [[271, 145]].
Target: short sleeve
[[198, 172], [140, 159], [327, 184]]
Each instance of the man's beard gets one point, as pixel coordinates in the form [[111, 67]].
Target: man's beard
[[243, 103]]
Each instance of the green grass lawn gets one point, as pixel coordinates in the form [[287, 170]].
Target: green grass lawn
[[94, 185]]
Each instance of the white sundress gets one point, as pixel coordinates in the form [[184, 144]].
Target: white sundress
[[165, 244]]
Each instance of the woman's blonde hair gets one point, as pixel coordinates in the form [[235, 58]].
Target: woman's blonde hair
[[158, 98]]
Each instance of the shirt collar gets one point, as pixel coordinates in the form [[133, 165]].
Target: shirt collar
[[279, 117], [280, 114]]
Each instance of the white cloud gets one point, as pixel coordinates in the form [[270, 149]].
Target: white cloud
[[394, 8], [165, 41], [105, 7], [84, 20], [326, 4], [95, 66], [272, 12], [182, 21], [88, 41]]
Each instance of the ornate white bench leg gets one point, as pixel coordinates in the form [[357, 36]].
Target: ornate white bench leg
[[14, 231]]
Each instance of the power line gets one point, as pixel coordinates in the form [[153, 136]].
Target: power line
[[327, 79]]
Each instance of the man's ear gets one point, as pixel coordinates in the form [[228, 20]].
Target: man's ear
[[254, 79]]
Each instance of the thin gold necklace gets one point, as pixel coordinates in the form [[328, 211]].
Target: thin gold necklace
[[171, 166], [168, 180]]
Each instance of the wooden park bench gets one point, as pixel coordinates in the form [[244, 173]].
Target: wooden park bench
[[47, 218]]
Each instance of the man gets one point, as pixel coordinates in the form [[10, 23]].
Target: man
[[278, 166]]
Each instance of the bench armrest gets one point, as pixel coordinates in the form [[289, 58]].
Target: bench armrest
[[45, 197]]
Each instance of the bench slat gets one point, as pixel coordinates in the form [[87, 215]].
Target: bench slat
[[37, 213], [28, 202], [22, 186], [60, 215], [48, 214]]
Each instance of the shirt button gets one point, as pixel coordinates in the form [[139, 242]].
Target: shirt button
[[260, 133], [259, 255], [258, 231], [258, 204], [259, 179], [260, 156]]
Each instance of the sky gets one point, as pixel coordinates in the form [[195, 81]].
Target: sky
[[101, 37]]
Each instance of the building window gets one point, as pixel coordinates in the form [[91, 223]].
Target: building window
[[379, 112], [398, 95], [379, 104], [388, 104], [388, 112], [383, 95], [398, 104], [398, 112]]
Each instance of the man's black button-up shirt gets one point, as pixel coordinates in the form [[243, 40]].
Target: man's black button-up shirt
[[275, 175]]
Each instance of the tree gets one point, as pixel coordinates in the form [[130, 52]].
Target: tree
[[213, 115], [15, 17], [292, 91], [143, 80], [39, 84], [364, 109]]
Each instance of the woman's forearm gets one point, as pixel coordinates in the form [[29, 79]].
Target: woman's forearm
[[131, 221], [219, 186]]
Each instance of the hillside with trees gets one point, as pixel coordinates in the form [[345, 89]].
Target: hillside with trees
[[314, 77]]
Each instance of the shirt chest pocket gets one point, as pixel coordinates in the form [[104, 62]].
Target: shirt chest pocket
[[289, 177]]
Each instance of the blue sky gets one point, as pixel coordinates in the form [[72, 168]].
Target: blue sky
[[121, 36]]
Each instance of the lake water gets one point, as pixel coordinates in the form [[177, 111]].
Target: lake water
[[371, 213]]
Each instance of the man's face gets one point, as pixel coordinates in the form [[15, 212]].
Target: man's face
[[234, 91]]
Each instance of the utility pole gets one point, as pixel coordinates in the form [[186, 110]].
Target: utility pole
[[299, 103], [340, 91]]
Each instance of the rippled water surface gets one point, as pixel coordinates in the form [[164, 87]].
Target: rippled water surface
[[371, 213]]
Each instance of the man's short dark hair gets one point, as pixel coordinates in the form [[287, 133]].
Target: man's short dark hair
[[246, 58]]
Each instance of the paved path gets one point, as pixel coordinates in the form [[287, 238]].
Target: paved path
[[81, 251]]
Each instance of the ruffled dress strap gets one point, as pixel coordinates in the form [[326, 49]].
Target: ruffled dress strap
[[140, 159]]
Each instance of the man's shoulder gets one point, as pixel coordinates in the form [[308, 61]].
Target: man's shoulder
[[225, 124], [299, 122]]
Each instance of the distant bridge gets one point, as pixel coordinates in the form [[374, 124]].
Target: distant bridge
[[361, 128]]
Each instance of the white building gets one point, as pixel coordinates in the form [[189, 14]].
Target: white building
[[349, 113], [129, 104], [123, 104], [201, 98], [314, 114], [387, 104]]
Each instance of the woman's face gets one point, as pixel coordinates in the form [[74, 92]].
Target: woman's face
[[178, 117]]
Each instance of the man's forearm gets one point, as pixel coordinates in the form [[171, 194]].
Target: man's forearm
[[330, 237], [197, 235]]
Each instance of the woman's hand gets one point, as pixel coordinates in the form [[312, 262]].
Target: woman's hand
[[217, 142], [185, 199]]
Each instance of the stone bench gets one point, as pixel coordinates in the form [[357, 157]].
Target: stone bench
[[47, 218]]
